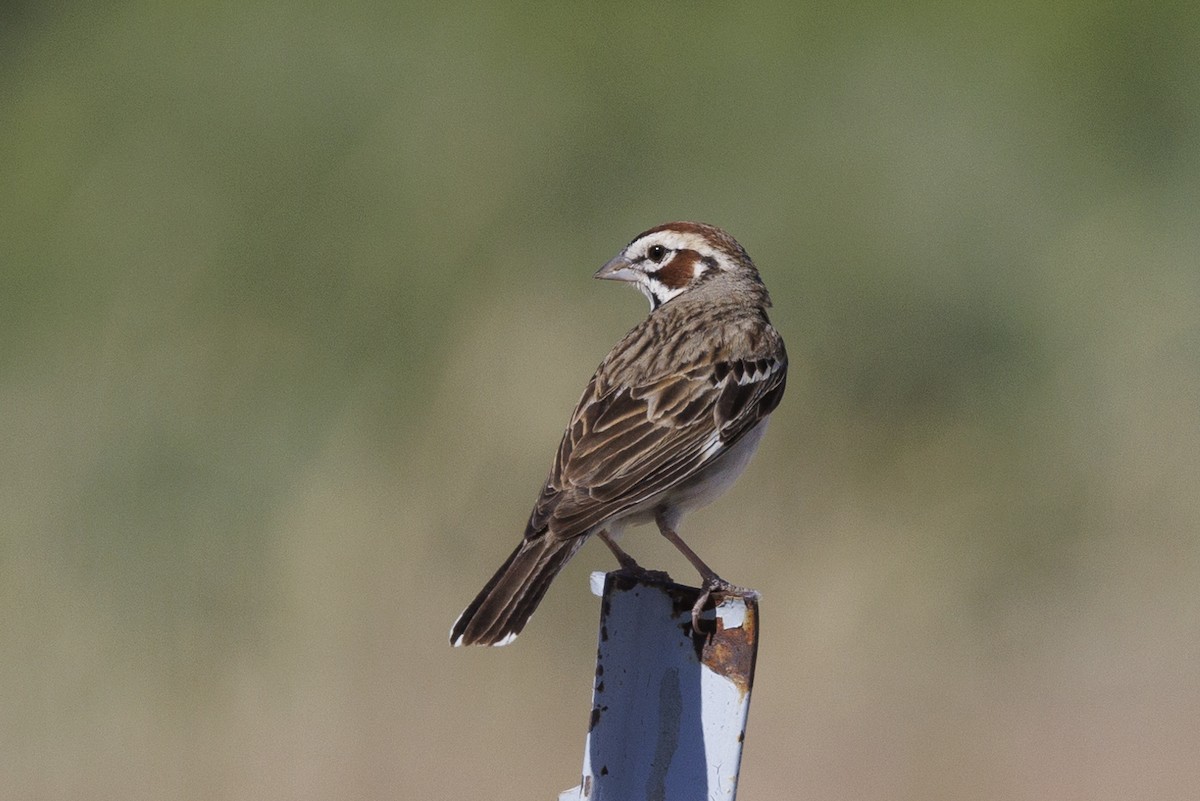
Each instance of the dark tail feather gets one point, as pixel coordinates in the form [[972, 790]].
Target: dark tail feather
[[505, 604]]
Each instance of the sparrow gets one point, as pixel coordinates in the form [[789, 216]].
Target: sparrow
[[670, 419]]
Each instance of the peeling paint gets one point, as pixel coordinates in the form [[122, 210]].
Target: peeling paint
[[732, 652]]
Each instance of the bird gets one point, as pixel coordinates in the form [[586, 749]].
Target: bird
[[666, 424]]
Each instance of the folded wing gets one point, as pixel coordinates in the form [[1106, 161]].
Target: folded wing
[[627, 444]]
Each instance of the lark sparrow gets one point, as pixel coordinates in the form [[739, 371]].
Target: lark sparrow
[[667, 423]]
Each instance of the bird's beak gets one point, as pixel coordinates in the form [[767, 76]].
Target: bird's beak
[[619, 269]]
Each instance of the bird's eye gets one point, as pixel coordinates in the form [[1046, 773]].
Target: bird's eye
[[656, 253]]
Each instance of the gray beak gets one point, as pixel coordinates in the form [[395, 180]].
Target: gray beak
[[618, 269]]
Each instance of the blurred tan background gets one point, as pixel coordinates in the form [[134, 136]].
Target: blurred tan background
[[296, 301]]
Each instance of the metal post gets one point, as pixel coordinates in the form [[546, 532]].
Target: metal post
[[668, 708]]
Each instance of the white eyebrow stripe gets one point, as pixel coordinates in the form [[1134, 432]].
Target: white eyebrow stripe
[[677, 240]]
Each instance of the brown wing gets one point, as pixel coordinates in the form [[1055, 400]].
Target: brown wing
[[627, 444]]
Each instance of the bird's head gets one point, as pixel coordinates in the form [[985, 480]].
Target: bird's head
[[671, 259]]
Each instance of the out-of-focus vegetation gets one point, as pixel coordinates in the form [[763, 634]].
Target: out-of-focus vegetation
[[294, 302]]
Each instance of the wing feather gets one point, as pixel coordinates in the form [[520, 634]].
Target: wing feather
[[628, 444]]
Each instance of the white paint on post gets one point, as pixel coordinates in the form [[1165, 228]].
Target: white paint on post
[[668, 709]]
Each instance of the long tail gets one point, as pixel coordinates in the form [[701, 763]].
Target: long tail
[[505, 604]]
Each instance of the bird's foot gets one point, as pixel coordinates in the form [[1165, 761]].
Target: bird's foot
[[715, 585]]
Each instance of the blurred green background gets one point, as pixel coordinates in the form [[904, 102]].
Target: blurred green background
[[296, 299]]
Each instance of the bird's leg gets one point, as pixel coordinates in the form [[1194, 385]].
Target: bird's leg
[[629, 564], [627, 561], [710, 581]]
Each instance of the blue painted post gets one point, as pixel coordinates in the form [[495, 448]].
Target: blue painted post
[[668, 708]]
